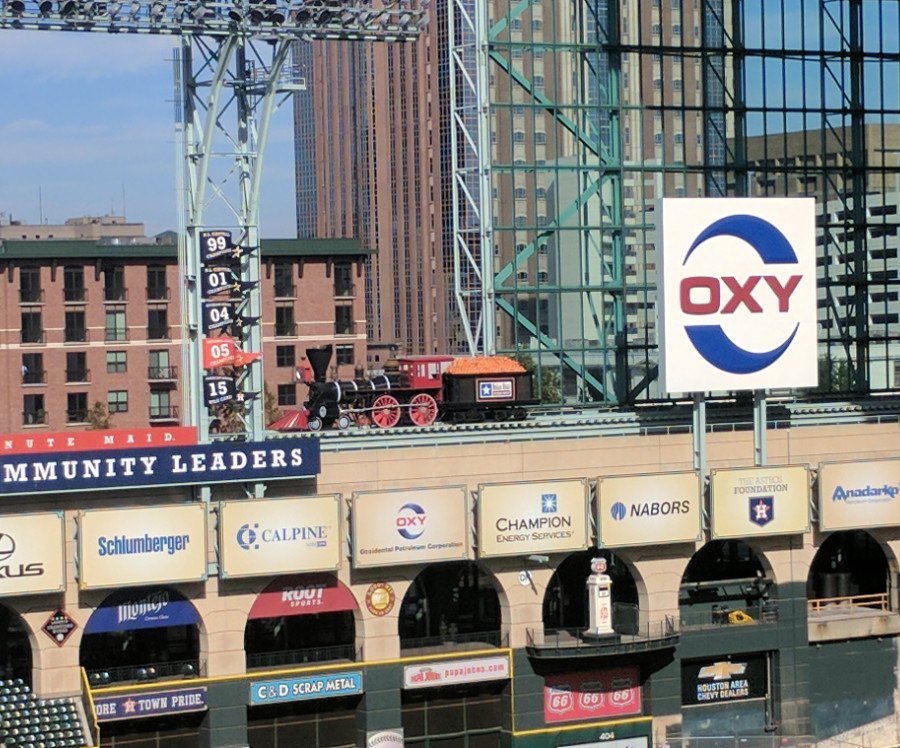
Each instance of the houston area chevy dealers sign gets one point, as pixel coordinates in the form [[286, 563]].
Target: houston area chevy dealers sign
[[737, 294]]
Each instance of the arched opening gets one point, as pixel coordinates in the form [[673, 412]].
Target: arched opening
[[15, 649], [141, 635], [725, 582], [301, 618], [450, 602], [850, 567], [565, 601]]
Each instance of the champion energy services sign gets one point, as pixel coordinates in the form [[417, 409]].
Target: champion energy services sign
[[32, 554], [118, 547], [771, 500], [409, 527], [859, 494], [272, 537], [523, 518], [737, 294], [136, 468], [648, 509]]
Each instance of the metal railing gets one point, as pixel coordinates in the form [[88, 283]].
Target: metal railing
[[628, 635], [344, 290], [303, 656], [34, 417], [78, 375], [284, 291], [877, 601], [706, 615], [76, 415], [150, 671], [163, 412], [115, 293], [116, 334], [75, 335], [158, 293], [35, 377], [489, 638], [285, 330], [33, 336], [87, 705], [158, 333], [74, 294], [162, 372], [31, 295]]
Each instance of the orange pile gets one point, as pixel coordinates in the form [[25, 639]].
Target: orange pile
[[485, 365]]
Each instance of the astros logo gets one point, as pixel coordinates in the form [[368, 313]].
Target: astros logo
[[703, 295]]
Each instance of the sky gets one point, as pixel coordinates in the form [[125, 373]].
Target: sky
[[87, 128]]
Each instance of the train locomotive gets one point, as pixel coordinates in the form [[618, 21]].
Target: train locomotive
[[417, 391]]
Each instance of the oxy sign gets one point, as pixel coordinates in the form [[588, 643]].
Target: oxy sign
[[737, 293]]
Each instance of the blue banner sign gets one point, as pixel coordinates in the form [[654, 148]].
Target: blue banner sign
[[168, 466], [153, 704], [306, 688], [148, 609]]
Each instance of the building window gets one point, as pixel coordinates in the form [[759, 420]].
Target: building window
[[32, 327], [287, 394], [343, 320], [30, 285], [33, 410], [115, 324], [157, 286], [116, 362], [33, 368], [161, 407], [344, 355], [157, 324], [284, 321], [117, 401], [284, 280], [75, 330], [159, 366], [76, 367], [285, 355], [73, 283], [343, 279], [114, 283], [76, 407]]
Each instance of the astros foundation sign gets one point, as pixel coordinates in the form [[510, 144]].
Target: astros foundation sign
[[737, 296]]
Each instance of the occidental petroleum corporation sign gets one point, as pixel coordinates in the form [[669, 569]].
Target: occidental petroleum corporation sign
[[737, 306]]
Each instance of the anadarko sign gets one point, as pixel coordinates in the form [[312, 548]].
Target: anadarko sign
[[859, 494], [771, 500], [409, 527], [118, 547], [137, 468], [523, 518]]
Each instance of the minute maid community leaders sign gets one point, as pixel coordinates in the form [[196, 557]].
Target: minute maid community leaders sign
[[162, 466]]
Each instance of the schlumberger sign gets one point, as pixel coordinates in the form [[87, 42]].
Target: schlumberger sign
[[138, 468], [737, 296]]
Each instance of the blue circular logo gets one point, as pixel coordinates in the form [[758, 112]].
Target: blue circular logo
[[618, 510], [246, 537], [711, 341], [411, 521]]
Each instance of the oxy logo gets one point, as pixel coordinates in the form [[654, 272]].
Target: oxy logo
[[705, 295], [411, 521], [247, 537]]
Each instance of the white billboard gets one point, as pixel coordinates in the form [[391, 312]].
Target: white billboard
[[737, 293], [32, 554]]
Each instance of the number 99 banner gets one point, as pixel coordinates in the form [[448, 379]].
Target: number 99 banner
[[215, 244]]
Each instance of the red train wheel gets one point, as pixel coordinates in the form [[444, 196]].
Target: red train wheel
[[423, 409], [386, 411]]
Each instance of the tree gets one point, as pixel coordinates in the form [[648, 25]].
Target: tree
[[549, 386], [834, 375], [273, 412], [98, 416]]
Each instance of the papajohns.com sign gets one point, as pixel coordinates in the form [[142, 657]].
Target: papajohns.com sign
[[137, 468]]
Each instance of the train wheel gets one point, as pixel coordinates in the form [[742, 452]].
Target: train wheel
[[423, 409], [386, 411], [314, 424], [344, 421]]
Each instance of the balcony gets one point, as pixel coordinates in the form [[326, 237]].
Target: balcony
[[115, 293], [851, 617], [163, 413], [31, 295], [143, 673], [344, 290], [285, 329], [34, 418], [162, 373], [629, 638], [75, 335], [74, 295], [33, 337], [342, 653], [76, 415], [38, 376], [78, 375], [285, 291], [158, 333], [158, 293]]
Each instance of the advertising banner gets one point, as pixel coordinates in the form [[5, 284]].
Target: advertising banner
[[771, 500], [83, 441], [273, 537], [303, 594], [516, 519], [737, 293], [169, 466], [649, 509], [859, 494], [118, 547], [409, 527], [142, 609], [615, 692], [149, 704], [308, 687], [715, 682], [32, 553], [452, 672]]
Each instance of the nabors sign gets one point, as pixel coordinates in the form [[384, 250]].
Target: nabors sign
[[737, 294]]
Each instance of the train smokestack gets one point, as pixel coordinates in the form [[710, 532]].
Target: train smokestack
[[319, 358]]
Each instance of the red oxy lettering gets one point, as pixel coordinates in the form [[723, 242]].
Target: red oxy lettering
[[708, 296]]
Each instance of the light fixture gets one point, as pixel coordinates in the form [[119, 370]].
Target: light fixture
[[45, 7], [236, 12], [66, 7], [16, 7], [157, 10]]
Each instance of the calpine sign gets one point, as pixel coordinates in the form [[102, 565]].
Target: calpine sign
[[139, 468], [737, 294]]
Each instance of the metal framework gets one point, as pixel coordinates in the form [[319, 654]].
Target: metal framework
[[232, 73]]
